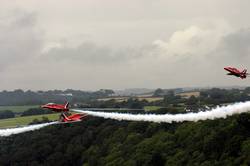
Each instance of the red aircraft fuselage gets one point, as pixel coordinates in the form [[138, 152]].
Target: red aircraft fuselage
[[57, 107], [235, 72], [72, 118]]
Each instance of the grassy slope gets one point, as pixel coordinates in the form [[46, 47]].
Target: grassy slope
[[13, 122], [152, 108]]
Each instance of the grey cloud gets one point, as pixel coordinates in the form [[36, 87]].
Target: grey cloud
[[89, 53], [202, 51], [19, 39], [23, 19], [237, 43], [213, 45], [233, 49]]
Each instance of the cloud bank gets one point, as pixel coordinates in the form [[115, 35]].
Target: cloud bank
[[179, 47]]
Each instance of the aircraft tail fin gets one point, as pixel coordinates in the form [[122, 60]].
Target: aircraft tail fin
[[244, 71], [66, 106], [64, 118]]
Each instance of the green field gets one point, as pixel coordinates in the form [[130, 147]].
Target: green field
[[20, 121], [152, 108], [18, 109]]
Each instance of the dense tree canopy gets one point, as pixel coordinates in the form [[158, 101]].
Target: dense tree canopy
[[97, 141]]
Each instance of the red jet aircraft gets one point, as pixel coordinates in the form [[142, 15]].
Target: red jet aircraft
[[72, 118], [57, 107], [235, 72], [62, 109]]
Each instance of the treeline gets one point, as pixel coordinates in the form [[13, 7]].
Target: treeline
[[37, 121], [210, 96], [20, 97], [130, 103], [97, 141], [36, 111], [218, 96], [173, 103], [32, 111], [6, 114]]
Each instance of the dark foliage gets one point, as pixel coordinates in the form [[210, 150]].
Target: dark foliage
[[217, 96], [43, 120], [6, 114], [36, 111], [97, 141], [132, 103]]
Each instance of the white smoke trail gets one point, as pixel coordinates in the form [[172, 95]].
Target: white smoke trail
[[10, 131], [219, 112]]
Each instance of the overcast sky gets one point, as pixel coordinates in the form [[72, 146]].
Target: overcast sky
[[118, 44]]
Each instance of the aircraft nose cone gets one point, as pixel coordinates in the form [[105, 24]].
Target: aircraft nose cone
[[43, 106]]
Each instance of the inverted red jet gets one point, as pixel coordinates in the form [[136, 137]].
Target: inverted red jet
[[235, 72], [72, 118], [57, 107]]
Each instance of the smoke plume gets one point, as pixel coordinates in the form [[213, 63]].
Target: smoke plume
[[219, 112], [10, 131]]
